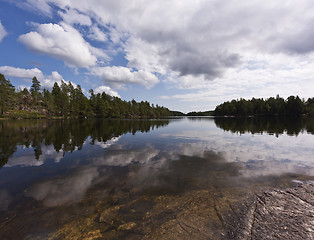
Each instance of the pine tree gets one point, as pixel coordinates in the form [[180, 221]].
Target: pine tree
[[35, 90], [57, 101], [7, 92]]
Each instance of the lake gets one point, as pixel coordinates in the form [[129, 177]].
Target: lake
[[179, 178]]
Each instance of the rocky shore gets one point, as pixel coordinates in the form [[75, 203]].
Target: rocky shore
[[279, 214], [232, 214], [282, 210]]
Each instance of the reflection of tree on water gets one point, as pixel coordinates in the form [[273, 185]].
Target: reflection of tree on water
[[65, 135], [272, 125]]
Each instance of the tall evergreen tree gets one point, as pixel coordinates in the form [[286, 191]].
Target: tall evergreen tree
[[65, 99], [57, 100], [7, 92], [48, 101], [35, 88]]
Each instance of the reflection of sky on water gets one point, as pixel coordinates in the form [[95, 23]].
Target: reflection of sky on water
[[70, 188], [279, 155], [24, 157], [161, 157], [107, 143]]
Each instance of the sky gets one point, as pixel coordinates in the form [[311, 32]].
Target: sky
[[184, 55]]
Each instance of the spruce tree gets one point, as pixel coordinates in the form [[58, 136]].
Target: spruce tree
[[35, 90], [7, 91]]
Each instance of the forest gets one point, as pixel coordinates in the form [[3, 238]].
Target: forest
[[67, 101], [205, 113], [278, 106]]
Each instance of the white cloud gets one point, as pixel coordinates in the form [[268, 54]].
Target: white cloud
[[9, 71], [198, 45], [118, 76], [143, 55], [49, 80], [107, 90], [97, 34], [3, 32], [72, 16], [62, 42], [263, 76], [40, 5], [46, 81]]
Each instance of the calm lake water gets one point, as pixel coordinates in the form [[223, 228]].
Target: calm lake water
[[142, 179]]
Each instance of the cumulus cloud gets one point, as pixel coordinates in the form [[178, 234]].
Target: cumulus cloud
[[107, 90], [119, 76], [214, 47], [46, 81], [211, 64], [3, 32], [265, 77], [62, 42], [21, 72]]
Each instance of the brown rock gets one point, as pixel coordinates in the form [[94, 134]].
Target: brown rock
[[281, 214]]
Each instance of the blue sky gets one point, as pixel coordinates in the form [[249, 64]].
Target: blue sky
[[185, 55]]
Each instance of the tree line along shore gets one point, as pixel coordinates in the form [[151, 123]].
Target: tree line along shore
[[273, 106], [278, 106], [67, 101]]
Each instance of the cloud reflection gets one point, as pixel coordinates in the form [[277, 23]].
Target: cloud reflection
[[198, 157], [107, 143], [71, 188], [186, 166], [120, 156], [28, 159]]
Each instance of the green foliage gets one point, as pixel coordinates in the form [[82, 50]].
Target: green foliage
[[271, 106], [20, 114], [24, 99], [57, 99], [7, 94], [48, 102], [104, 105], [35, 91], [67, 101], [205, 113]]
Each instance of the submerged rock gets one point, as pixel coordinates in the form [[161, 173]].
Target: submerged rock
[[280, 214], [214, 213]]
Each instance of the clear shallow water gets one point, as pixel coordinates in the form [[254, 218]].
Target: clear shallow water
[[58, 175]]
